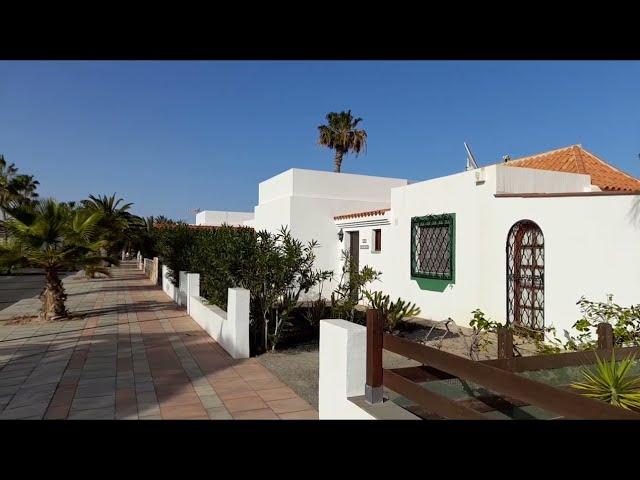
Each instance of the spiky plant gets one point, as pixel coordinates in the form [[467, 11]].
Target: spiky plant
[[341, 135], [612, 382], [90, 271], [51, 236]]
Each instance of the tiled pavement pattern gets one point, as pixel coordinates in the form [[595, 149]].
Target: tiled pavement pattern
[[134, 355]]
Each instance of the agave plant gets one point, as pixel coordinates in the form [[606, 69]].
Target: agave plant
[[612, 382], [90, 271], [393, 312]]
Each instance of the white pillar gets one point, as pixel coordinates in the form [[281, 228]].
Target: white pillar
[[237, 332], [343, 354], [182, 289], [193, 288], [154, 270]]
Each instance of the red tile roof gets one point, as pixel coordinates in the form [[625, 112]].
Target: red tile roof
[[195, 227], [370, 213], [575, 159]]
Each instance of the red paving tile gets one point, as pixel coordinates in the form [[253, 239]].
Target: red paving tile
[[189, 411], [250, 402], [262, 414], [63, 396], [289, 405], [277, 393], [302, 415], [57, 413]]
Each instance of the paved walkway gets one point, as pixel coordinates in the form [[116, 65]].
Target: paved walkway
[[133, 355]]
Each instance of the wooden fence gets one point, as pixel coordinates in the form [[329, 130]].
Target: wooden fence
[[499, 376]]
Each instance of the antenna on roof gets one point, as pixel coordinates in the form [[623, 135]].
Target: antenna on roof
[[471, 160]]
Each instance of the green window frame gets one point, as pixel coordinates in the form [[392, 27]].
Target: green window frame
[[433, 246]]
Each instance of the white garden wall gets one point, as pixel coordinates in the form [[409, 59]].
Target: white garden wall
[[230, 329]]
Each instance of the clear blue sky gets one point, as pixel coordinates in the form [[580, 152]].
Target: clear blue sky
[[175, 136]]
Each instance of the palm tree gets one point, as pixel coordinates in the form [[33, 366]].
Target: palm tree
[[49, 235], [24, 188], [14, 187], [340, 134], [115, 219]]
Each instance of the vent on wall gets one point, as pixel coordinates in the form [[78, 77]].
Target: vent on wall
[[480, 176]]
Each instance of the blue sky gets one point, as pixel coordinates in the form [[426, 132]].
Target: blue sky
[[175, 136]]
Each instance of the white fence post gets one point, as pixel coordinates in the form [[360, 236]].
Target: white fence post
[[238, 318], [193, 288], [154, 270], [182, 288], [343, 353]]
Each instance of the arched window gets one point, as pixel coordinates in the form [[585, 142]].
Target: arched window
[[525, 276]]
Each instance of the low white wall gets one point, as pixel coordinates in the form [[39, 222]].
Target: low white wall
[[342, 370], [230, 329]]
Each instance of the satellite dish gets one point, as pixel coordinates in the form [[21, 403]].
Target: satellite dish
[[471, 160]]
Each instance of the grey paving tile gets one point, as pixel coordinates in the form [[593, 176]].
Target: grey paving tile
[[151, 417], [211, 401], [36, 410], [94, 414], [219, 413], [24, 398], [145, 387], [95, 391], [9, 381], [87, 403]]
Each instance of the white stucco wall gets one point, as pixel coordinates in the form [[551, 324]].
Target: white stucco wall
[[216, 218], [591, 245], [306, 201]]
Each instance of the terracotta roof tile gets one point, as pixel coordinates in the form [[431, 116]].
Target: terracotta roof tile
[[575, 159], [370, 213], [196, 227]]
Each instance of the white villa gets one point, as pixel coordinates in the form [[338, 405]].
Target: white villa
[[523, 239]]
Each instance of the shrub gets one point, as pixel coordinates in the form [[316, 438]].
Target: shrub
[[350, 290], [275, 267]]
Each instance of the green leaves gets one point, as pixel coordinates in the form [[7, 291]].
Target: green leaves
[[393, 312], [350, 290], [612, 382], [340, 134], [275, 267]]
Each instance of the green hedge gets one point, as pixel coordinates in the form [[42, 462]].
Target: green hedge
[[223, 257]]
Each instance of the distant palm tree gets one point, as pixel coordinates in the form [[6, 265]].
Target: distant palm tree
[[115, 219], [24, 187], [14, 188], [340, 134]]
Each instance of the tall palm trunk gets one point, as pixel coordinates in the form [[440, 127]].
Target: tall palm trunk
[[337, 162], [53, 296]]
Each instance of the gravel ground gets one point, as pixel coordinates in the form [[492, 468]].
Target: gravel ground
[[298, 368]]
